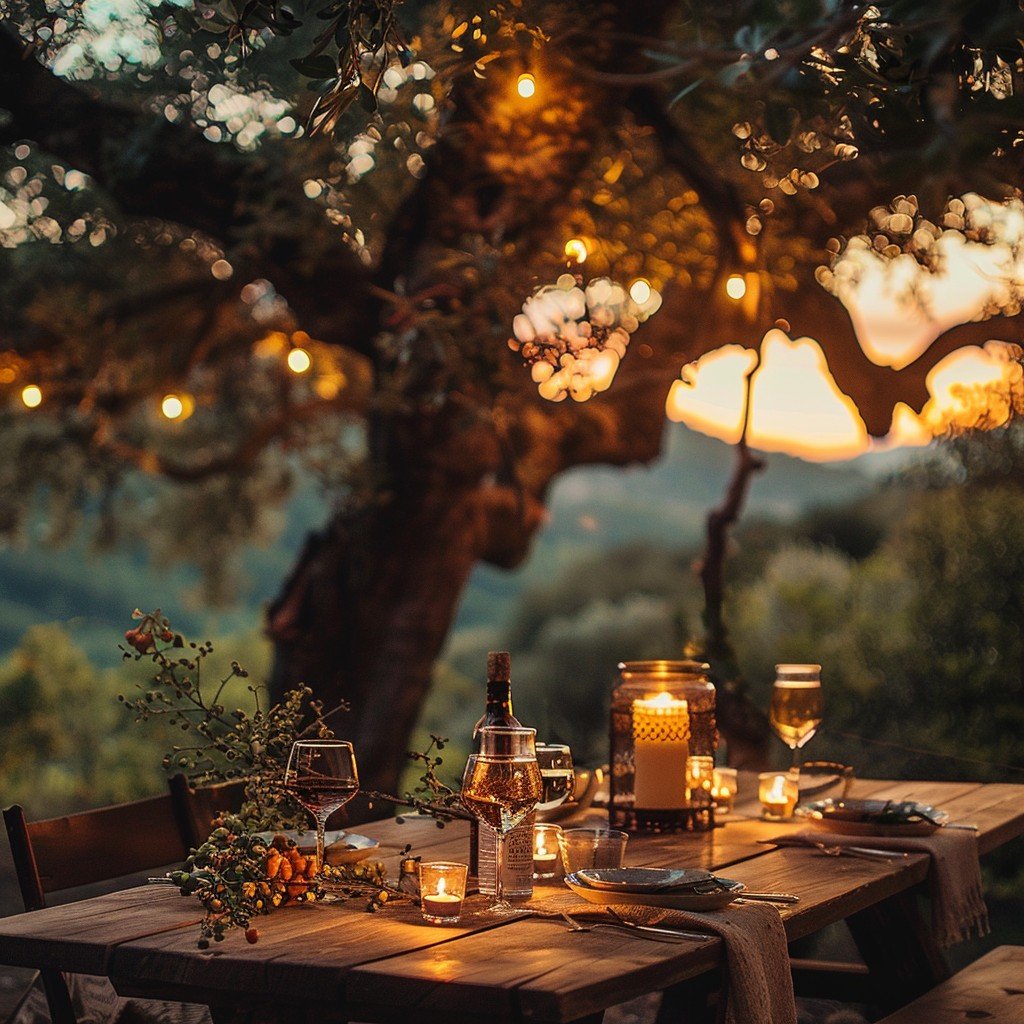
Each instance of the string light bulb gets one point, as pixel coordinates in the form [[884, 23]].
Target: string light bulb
[[576, 250], [31, 395], [172, 407], [640, 290], [735, 287], [299, 360], [526, 85]]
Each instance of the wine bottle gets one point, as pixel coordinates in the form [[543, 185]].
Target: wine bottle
[[518, 867]]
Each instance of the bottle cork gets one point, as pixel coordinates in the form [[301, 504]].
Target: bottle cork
[[499, 666]]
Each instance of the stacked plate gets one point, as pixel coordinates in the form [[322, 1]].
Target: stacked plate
[[873, 817], [669, 888]]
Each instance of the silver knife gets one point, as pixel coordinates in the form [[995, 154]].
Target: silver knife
[[770, 897], [651, 929]]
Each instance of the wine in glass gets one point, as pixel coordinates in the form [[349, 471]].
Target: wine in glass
[[322, 776], [797, 708], [556, 773], [501, 786]]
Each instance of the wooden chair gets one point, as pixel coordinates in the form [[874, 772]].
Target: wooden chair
[[195, 809], [86, 848], [992, 988]]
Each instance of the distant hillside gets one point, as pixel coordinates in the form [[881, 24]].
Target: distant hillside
[[591, 510]]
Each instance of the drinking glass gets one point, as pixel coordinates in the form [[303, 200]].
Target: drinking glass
[[322, 776], [556, 772], [501, 786], [796, 708]]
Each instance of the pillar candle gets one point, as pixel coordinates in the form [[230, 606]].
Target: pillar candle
[[661, 731]]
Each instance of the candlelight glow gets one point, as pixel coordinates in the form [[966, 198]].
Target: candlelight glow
[[299, 360], [31, 395], [441, 886], [710, 394], [640, 290], [526, 86]]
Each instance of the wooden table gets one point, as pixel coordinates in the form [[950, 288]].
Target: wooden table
[[337, 962]]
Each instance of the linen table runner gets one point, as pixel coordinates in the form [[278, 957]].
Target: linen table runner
[[958, 903]]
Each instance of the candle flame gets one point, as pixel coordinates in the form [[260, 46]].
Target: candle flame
[[440, 886], [777, 793], [541, 848]]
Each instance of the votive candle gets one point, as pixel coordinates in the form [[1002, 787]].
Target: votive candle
[[442, 891], [778, 793], [545, 850], [724, 787]]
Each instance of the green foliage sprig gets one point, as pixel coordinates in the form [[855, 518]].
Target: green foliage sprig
[[225, 745]]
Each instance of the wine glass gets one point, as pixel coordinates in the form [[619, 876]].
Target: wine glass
[[797, 708], [557, 776], [322, 776], [501, 786]]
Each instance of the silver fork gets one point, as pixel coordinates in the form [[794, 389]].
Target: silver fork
[[646, 931]]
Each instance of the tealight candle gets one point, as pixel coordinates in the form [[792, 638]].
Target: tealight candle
[[778, 793], [442, 891], [545, 851], [724, 787], [661, 733]]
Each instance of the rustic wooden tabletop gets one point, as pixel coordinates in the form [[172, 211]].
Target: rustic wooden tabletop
[[339, 962]]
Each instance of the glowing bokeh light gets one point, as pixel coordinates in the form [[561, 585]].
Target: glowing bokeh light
[[711, 392], [526, 85], [299, 360], [576, 249], [640, 290], [31, 395], [735, 287], [172, 407]]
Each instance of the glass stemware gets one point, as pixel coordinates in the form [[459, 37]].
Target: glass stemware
[[322, 776], [797, 707], [557, 777], [501, 786]]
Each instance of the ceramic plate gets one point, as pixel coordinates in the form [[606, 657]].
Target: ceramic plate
[[872, 817], [340, 847], [672, 900], [642, 880]]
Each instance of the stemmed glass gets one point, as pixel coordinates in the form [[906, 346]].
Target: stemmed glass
[[322, 776], [501, 786], [797, 707], [557, 776]]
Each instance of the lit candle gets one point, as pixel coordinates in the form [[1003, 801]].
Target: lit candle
[[545, 850], [778, 793], [661, 732], [724, 788], [442, 889]]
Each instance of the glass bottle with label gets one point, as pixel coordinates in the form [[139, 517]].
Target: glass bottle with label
[[518, 870]]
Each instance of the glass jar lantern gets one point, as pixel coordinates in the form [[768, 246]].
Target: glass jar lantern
[[663, 741]]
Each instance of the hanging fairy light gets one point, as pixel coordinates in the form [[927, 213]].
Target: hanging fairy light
[[576, 250], [31, 396], [526, 85], [736, 287], [640, 291], [177, 407], [299, 360]]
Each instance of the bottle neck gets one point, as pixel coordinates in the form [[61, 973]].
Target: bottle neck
[[499, 702]]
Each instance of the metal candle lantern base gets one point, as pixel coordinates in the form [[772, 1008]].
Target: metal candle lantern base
[[663, 742], [686, 819]]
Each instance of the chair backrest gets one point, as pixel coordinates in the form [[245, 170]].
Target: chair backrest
[[196, 808], [92, 846]]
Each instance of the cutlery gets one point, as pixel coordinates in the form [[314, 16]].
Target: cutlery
[[646, 931], [633, 926], [769, 897]]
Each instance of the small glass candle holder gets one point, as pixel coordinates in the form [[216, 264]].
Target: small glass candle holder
[[592, 848], [778, 793], [545, 851], [700, 773], [442, 890], [724, 787]]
